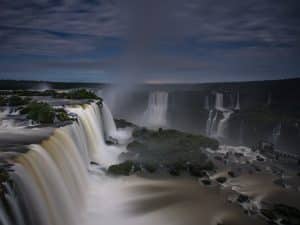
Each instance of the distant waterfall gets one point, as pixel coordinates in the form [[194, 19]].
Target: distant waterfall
[[237, 106], [276, 134], [219, 101], [109, 123], [223, 123], [209, 122], [4, 113], [51, 178], [155, 115], [110, 129], [214, 124]]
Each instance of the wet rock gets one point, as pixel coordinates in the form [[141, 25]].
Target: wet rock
[[280, 182], [219, 158], [238, 154], [221, 180], [150, 168], [285, 214], [206, 182], [231, 174], [242, 198], [259, 158], [111, 141], [121, 123], [197, 171], [125, 168]]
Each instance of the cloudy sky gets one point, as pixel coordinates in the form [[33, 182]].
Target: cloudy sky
[[149, 40]]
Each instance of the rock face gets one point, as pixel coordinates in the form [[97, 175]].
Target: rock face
[[121, 123], [283, 213], [125, 168], [172, 151]]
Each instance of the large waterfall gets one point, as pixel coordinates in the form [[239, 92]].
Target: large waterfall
[[276, 134], [50, 180], [214, 126], [219, 101], [223, 123], [110, 130], [155, 115]]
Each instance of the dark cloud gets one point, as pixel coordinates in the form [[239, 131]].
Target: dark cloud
[[138, 40]]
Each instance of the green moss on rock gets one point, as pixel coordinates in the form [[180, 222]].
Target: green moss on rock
[[124, 169], [171, 150], [62, 115], [39, 112], [81, 94]]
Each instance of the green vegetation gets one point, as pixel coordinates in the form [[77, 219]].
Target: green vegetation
[[259, 115], [13, 100], [17, 100], [124, 169], [62, 115], [3, 101], [44, 113], [39, 112], [73, 94], [81, 94], [173, 151]]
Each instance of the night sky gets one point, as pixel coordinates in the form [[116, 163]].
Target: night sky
[[149, 40]]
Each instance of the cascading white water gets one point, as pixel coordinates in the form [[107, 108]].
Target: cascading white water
[[4, 113], [92, 125], [220, 128], [109, 124], [223, 123], [237, 106], [51, 179], [213, 125], [155, 115], [209, 122], [57, 171], [219, 101], [110, 129], [276, 134]]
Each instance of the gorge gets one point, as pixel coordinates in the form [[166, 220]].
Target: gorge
[[77, 164]]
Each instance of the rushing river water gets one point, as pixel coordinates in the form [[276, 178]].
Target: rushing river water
[[55, 184]]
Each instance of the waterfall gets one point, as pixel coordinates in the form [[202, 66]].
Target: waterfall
[[109, 123], [237, 106], [223, 123], [51, 179], [219, 101], [4, 113], [213, 124], [209, 123], [206, 103], [276, 134], [155, 115], [110, 129], [90, 119]]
